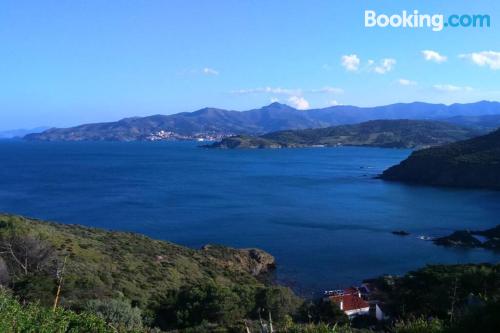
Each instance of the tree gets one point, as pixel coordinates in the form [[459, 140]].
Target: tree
[[210, 302], [329, 312], [322, 311], [26, 254], [279, 301], [4, 272]]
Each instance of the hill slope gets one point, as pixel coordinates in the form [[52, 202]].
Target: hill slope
[[102, 265], [376, 133], [469, 163], [274, 117]]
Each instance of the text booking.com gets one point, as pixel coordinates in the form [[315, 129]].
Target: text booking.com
[[436, 22]]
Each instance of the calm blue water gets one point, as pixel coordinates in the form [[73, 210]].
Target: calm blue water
[[319, 211]]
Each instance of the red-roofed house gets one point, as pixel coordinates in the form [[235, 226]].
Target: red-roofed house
[[350, 301]]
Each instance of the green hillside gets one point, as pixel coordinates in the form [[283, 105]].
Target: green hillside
[[123, 282], [376, 133], [169, 285], [470, 163]]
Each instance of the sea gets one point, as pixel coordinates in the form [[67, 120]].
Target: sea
[[321, 212]]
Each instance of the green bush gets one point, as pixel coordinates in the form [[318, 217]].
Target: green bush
[[319, 328], [483, 319], [213, 303], [321, 311], [117, 313], [15, 317], [191, 307], [419, 325]]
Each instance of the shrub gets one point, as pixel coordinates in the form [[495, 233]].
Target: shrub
[[210, 302], [35, 318], [323, 311], [319, 328], [118, 313], [483, 319], [419, 325]]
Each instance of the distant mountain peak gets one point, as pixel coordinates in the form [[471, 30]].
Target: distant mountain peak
[[274, 104], [277, 106], [206, 111]]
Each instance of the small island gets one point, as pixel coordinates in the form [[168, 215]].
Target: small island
[[400, 233], [488, 239]]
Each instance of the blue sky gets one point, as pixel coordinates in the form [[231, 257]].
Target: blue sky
[[64, 63]]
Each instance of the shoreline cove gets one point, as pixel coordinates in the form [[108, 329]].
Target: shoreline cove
[[294, 204]]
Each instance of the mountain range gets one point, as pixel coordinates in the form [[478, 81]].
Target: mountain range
[[274, 117]]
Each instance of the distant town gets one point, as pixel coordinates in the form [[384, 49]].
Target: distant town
[[172, 136]]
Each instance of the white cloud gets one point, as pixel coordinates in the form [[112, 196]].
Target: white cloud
[[328, 90], [434, 56], [210, 71], [350, 62], [288, 92], [298, 102], [485, 58], [449, 88], [333, 103], [268, 90], [385, 65], [275, 100], [406, 82]]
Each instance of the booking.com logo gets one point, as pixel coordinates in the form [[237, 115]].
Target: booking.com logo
[[436, 22]]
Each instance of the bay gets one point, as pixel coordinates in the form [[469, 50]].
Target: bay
[[319, 211]]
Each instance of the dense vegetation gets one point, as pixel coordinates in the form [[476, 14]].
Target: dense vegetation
[[274, 117], [486, 123], [15, 317], [122, 282], [134, 280], [376, 133], [470, 163], [460, 298], [436, 299]]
